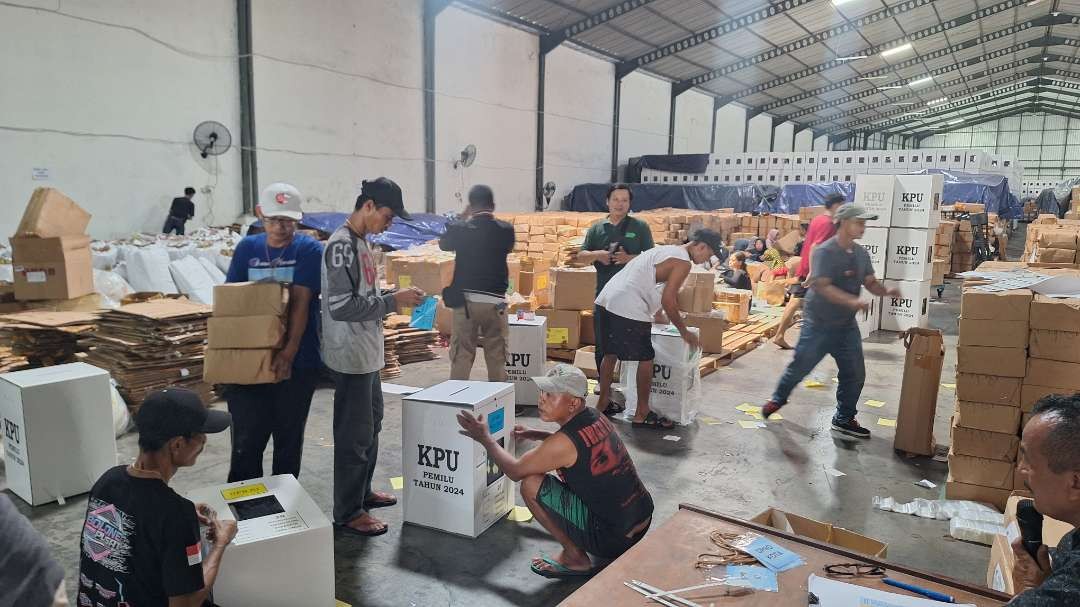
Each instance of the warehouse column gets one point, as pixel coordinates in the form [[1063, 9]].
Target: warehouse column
[[249, 174], [716, 105], [432, 8]]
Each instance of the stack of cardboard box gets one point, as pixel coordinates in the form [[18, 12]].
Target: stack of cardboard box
[[1055, 244], [963, 247], [50, 249], [943, 245], [991, 365], [1053, 365], [425, 269], [1002, 558], [572, 292], [734, 303], [245, 332]]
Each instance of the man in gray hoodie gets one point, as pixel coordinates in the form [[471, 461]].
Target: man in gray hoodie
[[353, 309]]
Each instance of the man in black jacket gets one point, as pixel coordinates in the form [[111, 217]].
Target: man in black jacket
[[181, 210], [478, 291]]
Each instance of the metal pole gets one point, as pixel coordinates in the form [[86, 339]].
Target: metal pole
[[615, 131], [541, 69], [432, 8], [671, 125], [249, 175]]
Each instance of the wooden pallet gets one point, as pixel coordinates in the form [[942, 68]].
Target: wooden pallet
[[561, 354]]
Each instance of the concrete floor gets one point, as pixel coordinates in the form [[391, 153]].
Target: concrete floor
[[720, 466]]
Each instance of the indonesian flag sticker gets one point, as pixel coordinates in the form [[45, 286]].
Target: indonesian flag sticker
[[194, 554]]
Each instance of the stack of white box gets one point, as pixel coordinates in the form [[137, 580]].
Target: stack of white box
[[901, 243]]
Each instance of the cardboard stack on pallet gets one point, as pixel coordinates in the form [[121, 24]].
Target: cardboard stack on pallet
[[943, 246], [569, 319], [50, 249], [1053, 242], [541, 235], [734, 303], [38, 338], [246, 331]]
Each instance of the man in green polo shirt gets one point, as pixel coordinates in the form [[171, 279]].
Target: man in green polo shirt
[[611, 244]]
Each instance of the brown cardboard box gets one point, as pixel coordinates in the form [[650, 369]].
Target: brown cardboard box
[[1002, 419], [956, 490], [807, 214], [999, 570], [50, 214], [1055, 345], [1052, 314], [919, 391], [251, 299], [1053, 374], [941, 268], [787, 243], [1005, 362], [1031, 394], [444, 318], [585, 359], [1057, 239], [980, 443], [981, 471], [245, 332], [1056, 256], [563, 328], [822, 532], [52, 268], [988, 389], [238, 367], [1002, 305], [710, 330], [696, 294], [573, 288], [1053, 529], [588, 328], [429, 275], [996, 333]]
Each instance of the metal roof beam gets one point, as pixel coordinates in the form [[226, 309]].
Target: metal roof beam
[[1035, 99], [553, 39], [1038, 91], [975, 110]]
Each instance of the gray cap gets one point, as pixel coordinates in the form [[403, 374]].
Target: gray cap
[[281, 200], [850, 211], [564, 379]]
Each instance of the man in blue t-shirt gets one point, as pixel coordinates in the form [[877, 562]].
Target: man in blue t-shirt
[[279, 409]]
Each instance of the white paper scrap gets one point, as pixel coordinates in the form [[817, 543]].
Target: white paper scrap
[[841, 594], [926, 484], [673, 438], [399, 389]]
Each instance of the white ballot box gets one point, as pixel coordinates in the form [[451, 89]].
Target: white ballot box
[[675, 390], [869, 320], [283, 553], [525, 356], [58, 430], [450, 483]]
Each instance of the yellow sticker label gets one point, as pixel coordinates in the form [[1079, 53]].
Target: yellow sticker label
[[236, 493], [404, 281], [541, 281], [884, 421], [397, 482], [406, 311], [813, 383], [558, 335], [520, 514]]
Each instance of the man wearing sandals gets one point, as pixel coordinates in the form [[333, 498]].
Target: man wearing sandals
[[597, 504], [627, 306]]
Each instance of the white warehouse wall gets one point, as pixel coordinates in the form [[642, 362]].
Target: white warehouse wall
[[784, 137], [645, 107], [730, 128], [131, 102], [354, 112], [760, 136], [485, 83], [804, 141], [693, 123], [579, 96], [821, 144]]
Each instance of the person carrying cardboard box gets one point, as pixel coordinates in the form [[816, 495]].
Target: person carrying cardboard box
[[353, 309], [278, 409], [611, 244], [477, 294], [1050, 466], [627, 306], [841, 268]]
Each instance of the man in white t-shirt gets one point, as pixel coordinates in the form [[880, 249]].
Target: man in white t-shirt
[[627, 306]]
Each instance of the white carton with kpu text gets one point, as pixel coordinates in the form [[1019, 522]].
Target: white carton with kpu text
[[526, 352], [876, 241], [917, 201], [910, 309], [910, 254], [875, 194]]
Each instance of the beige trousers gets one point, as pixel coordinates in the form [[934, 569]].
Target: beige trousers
[[485, 320]]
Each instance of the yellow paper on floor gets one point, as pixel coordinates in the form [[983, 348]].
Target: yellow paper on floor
[[397, 482], [813, 383], [884, 421], [749, 424], [520, 514], [747, 408], [754, 414], [949, 386], [710, 421], [775, 417], [875, 403], [341, 603]]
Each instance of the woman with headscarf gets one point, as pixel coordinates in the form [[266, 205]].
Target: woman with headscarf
[[757, 249], [770, 240]]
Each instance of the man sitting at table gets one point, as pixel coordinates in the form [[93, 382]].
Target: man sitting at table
[[597, 504], [1050, 465]]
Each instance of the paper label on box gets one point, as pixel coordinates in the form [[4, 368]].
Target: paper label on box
[[36, 276], [541, 282], [267, 527], [558, 335], [234, 493], [1012, 532], [404, 281], [999, 579]]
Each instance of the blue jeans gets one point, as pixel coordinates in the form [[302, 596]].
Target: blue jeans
[[845, 346]]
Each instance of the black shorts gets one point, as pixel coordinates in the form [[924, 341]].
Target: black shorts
[[797, 290], [586, 531], [629, 340]]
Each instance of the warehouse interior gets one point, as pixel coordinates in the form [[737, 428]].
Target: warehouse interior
[[118, 105]]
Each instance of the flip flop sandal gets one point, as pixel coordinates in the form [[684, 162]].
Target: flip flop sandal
[[614, 409], [558, 571], [355, 531], [380, 502], [652, 420]]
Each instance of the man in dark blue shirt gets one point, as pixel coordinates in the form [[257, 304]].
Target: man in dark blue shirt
[[180, 211], [279, 409]]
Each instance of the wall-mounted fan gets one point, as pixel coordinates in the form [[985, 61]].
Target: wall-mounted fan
[[467, 157], [212, 138]]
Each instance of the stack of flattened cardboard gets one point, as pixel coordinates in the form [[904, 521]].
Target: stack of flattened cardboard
[[44, 338], [151, 345], [411, 345], [246, 331], [50, 249], [392, 366]]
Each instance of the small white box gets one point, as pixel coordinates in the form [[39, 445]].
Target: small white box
[[876, 243], [283, 553], [676, 382], [910, 254], [917, 201], [911, 309], [526, 352], [450, 482], [58, 430], [875, 194], [869, 320]]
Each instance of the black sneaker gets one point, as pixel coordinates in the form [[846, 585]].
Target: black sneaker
[[770, 407], [851, 428]]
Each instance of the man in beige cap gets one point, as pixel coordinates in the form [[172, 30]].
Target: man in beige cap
[[597, 504]]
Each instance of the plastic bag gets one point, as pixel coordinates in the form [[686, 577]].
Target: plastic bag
[[975, 531], [121, 416], [216, 274], [148, 270], [423, 315], [676, 384], [192, 279], [111, 287]]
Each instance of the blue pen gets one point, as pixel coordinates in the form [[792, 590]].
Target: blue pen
[[930, 594]]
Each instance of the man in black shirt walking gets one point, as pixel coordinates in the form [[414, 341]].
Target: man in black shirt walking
[[597, 504], [140, 541], [181, 210]]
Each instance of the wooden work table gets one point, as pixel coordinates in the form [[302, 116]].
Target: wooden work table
[[666, 558]]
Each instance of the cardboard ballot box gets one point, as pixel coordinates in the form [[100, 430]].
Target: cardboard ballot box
[[450, 483], [910, 310], [525, 356], [876, 243], [58, 430], [283, 553]]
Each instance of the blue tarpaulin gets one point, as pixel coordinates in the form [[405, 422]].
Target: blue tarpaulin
[[400, 235], [743, 198], [795, 196]]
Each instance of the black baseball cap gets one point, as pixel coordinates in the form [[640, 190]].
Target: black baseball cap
[[385, 193], [173, 412], [713, 239], [834, 198]]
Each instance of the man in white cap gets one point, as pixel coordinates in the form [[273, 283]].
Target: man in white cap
[[597, 504], [278, 409]]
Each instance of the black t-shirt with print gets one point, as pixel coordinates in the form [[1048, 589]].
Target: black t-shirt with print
[[140, 544]]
